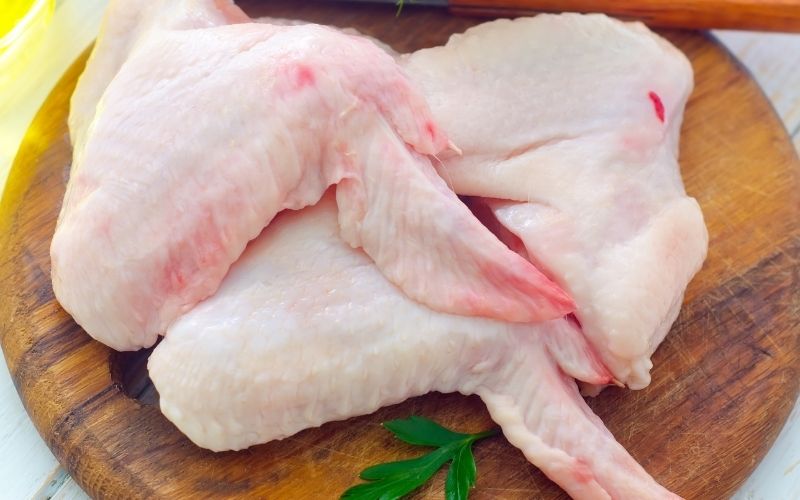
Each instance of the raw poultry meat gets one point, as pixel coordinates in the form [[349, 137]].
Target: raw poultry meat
[[568, 148], [125, 24], [571, 138], [604, 205], [598, 188], [171, 180], [305, 330]]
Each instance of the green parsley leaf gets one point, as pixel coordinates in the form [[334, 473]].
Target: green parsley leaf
[[421, 431], [393, 480], [461, 476], [382, 471]]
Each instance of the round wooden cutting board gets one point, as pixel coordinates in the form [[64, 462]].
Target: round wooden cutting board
[[723, 383]]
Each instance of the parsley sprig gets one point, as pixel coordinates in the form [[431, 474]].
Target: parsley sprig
[[394, 479]]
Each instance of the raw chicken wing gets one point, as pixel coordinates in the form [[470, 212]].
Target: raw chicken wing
[[204, 134], [571, 137], [305, 330]]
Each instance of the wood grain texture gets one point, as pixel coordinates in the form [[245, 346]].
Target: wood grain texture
[[724, 381], [761, 15]]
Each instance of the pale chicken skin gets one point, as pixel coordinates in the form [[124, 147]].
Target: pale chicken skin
[[124, 24], [571, 138], [203, 135], [305, 330], [562, 129], [324, 365], [590, 144]]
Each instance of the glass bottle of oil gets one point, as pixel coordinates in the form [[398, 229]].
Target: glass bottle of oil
[[22, 25]]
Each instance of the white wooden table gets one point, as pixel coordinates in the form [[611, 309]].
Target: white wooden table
[[29, 470]]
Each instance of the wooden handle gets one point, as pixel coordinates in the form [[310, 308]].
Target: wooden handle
[[761, 15]]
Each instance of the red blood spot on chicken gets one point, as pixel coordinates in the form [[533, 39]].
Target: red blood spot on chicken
[[304, 76], [431, 128], [583, 473], [104, 227], [200, 254], [658, 106], [178, 278]]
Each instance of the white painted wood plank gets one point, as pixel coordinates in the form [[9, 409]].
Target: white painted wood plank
[[777, 477], [51, 484], [69, 491], [72, 28], [25, 461]]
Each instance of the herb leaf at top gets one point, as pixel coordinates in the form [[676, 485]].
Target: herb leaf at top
[[421, 431]]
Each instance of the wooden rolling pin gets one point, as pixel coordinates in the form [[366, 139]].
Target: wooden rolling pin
[[760, 15]]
